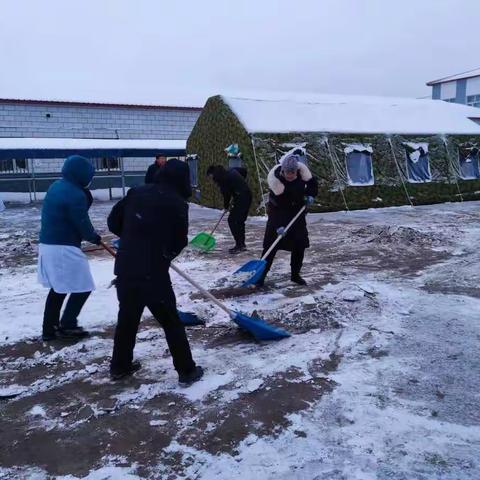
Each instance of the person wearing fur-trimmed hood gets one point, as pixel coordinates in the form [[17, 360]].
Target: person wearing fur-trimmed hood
[[291, 185]]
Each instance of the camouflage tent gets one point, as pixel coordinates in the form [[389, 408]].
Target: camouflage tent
[[365, 151]]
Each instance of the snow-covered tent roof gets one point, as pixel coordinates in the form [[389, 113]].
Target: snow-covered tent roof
[[354, 114], [92, 147]]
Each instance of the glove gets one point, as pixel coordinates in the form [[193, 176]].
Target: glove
[[97, 240], [116, 243], [281, 231], [309, 200]]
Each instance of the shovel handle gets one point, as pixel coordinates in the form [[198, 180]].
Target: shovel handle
[[201, 289], [185, 276], [218, 223], [292, 221], [109, 249]]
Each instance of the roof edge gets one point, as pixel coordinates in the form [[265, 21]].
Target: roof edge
[[95, 104]]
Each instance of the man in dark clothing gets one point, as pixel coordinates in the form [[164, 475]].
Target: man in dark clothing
[[232, 184], [152, 223], [159, 162], [291, 186]]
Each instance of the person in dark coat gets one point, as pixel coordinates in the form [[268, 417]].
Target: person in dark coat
[[159, 162], [152, 223], [62, 266], [233, 185], [291, 185]]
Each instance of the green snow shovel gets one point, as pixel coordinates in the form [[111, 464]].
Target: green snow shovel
[[206, 241]]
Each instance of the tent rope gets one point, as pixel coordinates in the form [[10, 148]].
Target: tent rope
[[336, 174], [258, 176], [451, 167], [400, 172]]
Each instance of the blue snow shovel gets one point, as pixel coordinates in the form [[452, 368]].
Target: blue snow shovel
[[190, 319], [256, 326], [251, 272]]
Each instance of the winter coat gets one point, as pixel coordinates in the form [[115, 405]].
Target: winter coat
[[65, 219], [152, 223], [232, 184], [285, 200], [151, 172]]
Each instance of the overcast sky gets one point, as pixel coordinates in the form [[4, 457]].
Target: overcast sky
[[180, 52]]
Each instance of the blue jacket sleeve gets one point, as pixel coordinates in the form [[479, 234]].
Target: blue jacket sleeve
[[77, 208]]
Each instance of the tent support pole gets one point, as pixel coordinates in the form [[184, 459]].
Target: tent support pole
[[450, 167], [399, 171], [258, 175], [336, 174]]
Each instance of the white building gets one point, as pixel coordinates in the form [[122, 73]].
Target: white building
[[461, 88]]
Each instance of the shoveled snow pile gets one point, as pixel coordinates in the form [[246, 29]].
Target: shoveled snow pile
[[390, 235], [16, 244]]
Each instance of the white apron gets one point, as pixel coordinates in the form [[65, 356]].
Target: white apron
[[64, 268]]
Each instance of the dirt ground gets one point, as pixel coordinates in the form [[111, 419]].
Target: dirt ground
[[64, 416]]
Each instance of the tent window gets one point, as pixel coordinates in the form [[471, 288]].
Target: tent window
[[358, 161], [469, 169], [418, 163], [234, 162], [192, 162]]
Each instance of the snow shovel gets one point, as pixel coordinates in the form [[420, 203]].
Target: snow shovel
[[206, 241], [257, 327], [252, 271], [189, 319]]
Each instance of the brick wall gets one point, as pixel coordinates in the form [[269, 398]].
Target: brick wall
[[84, 121]]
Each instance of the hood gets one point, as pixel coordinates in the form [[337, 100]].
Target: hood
[[176, 174], [78, 170]]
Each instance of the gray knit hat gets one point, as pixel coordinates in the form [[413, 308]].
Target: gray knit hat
[[290, 163]]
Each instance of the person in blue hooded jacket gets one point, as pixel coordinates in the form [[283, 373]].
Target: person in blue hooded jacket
[[62, 266]]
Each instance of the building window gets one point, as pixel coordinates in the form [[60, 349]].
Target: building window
[[13, 165], [473, 100], [358, 162], [418, 162], [105, 163], [192, 162]]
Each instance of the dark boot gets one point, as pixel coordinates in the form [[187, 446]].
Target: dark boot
[[135, 366], [237, 249], [186, 379], [74, 332], [295, 277]]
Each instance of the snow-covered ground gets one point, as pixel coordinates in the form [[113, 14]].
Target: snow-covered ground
[[379, 379]]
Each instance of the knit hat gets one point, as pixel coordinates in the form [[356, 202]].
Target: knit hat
[[290, 164], [233, 150]]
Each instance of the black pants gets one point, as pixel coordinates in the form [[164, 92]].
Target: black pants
[[236, 221], [132, 303], [296, 261], [53, 306]]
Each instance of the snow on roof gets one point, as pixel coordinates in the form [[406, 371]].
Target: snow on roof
[[458, 76], [354, 114], [44, 147], [89, 143]]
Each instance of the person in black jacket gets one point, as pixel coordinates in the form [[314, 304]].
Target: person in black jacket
[[232, 184], [152, 223], [291, 185], [159, 162]]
